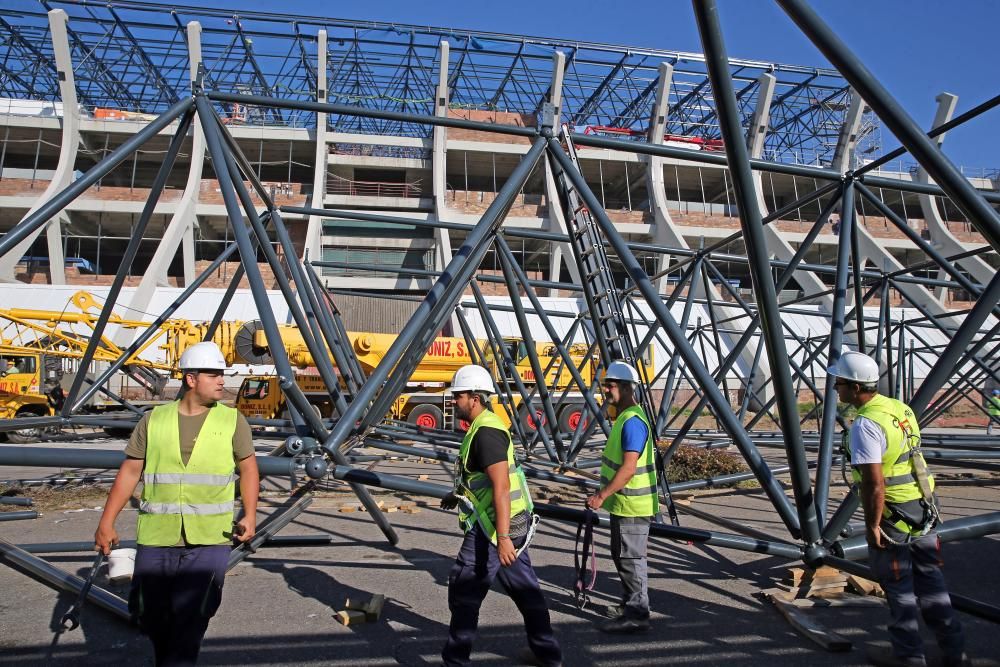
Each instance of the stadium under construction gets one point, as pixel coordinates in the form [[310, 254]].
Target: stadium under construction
[[341, 203]]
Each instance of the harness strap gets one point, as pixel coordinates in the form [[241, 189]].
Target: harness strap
[[582, 587]]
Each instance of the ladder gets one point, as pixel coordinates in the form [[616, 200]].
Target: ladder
[[603, 301]]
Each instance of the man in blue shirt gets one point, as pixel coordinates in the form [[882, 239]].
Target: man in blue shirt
[[629, 493]]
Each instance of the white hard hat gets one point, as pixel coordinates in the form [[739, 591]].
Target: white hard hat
[[203, 357], [620, 370], [856, 367], [472, 378]]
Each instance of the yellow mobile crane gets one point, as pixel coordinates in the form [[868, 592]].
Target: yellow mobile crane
[[38, 348], [426, 401]]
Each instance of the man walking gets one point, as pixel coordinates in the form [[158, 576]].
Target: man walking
[[628, 492], [495, 516], [186, 453], [897, 495]]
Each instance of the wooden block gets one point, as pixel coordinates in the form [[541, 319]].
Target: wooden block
[[373, 610], [350, 617], [797, 574], [865, 586], [810, 628], [354, 605], [347, 509], [409, 510], [391, 508], [826, 593], [423, 477]]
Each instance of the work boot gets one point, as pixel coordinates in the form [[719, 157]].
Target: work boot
[[623, 625], [884, 657], [614, 610], [528, 657], [961, 660]]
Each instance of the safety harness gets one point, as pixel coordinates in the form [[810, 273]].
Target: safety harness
[[917, 474], [583, 586]]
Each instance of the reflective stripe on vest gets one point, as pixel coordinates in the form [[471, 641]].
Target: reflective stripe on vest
[[172, 508], [193, 500], [187, 478], [902, 434], [477, 486], [639, 497]]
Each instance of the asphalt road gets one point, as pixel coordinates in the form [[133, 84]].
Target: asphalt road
[[279, 604]]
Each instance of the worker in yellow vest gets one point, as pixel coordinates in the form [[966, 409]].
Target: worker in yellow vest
[[897, 496], [994, 412], [186, 453], [495, 513], [628, 492]]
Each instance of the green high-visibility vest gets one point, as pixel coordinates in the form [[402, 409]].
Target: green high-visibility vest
[[196, 498], [477, 487], [902, 437], [994, 408], [638, 497]]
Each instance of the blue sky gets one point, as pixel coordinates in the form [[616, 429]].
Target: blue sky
[[917, 48]]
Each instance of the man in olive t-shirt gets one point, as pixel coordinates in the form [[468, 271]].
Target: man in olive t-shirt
[[189, 426], [177, 589]]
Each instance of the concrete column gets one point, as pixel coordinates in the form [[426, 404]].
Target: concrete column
[[848, 139], [941, 237], [439, 170], [314, 230], [63, 176], [664, 231], [756, 137], [180, 229], [556, 220]]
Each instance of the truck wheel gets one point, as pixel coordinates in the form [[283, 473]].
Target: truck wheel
[[530, 419], [25, 435], [572, 417], [426, 416]]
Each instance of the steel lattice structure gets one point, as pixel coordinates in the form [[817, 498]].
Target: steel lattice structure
[[812, 528], [132, 56]]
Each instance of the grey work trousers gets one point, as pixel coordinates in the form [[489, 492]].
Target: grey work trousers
[[911, 576], [629, 535]]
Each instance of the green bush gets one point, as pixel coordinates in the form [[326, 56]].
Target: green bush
[[693, 463]]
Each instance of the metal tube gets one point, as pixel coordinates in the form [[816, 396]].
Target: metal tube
[[344, 109], [941, 261], [559, 513], [24, 502], [18, 516], [926, 152], [61, 580], [856, 548], [940, 129], [107, 459], [945, 365], [529, 344], [848, 221], [493, 335], [441, 297], [127, 258], [706, 15], [588, 397], [683, 348], [61, 200], [154, 327]]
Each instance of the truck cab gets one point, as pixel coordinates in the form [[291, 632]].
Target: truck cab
[[29, 387]]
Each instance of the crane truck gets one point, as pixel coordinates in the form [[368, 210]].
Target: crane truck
[[426, 401]]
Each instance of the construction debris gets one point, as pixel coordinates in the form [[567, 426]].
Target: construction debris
[[356, 612]]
